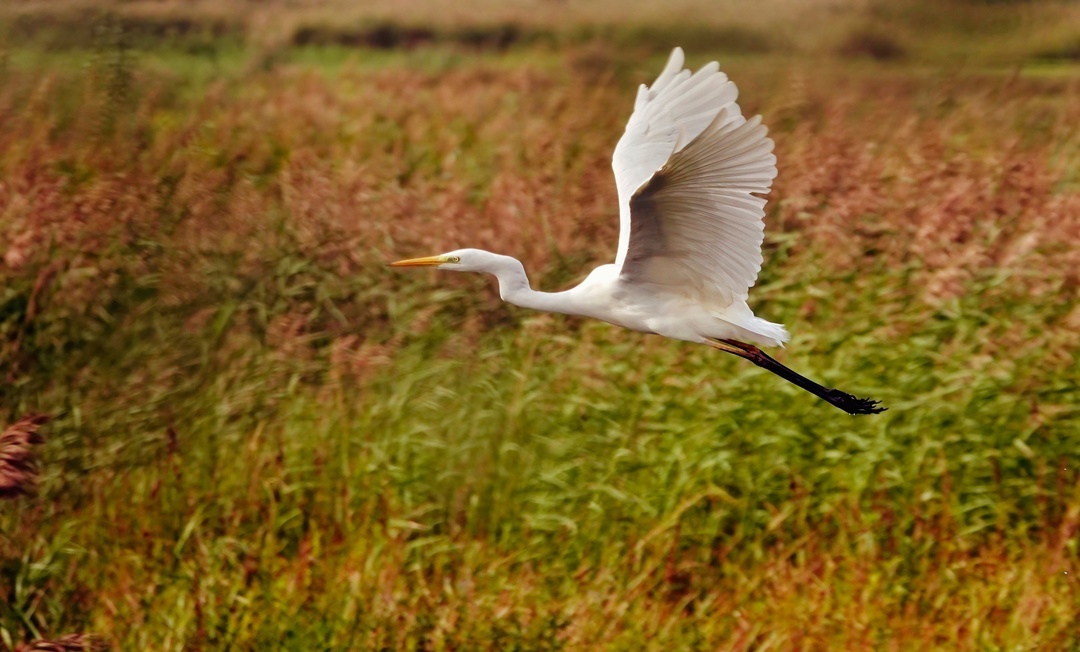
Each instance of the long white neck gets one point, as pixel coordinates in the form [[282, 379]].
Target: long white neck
[[514, 288]]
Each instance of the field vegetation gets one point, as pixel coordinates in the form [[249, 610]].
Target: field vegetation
[[248, 433]]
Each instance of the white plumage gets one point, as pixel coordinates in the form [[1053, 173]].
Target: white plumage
[[691, 174]]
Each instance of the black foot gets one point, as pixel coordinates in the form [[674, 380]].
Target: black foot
[[852, 405]]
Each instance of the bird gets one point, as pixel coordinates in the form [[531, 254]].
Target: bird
[[692, 174]]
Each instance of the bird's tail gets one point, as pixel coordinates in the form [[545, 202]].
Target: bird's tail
[[769, 332], [749, 327], [757, 330]]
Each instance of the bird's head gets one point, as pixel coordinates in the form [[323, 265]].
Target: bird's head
[[461, 260]]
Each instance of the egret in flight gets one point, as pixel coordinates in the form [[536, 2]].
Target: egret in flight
[[691, 174]]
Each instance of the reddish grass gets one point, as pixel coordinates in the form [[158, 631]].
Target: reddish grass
[[367, 166]]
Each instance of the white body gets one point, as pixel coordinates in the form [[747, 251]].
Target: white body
[[605, 296]]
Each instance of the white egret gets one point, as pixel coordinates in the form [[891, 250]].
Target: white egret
[[691, 173]]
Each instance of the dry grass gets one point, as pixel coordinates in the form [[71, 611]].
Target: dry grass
[[68, 643], [18, 475], [265, 439]]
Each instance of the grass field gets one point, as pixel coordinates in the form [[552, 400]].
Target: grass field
[[262, 438]]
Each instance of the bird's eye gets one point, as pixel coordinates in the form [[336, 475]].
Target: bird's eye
[[453, 259]]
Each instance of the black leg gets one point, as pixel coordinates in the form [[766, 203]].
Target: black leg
[[842, 400]]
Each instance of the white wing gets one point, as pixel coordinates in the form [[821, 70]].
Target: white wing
[[666, 117], [694, 221]]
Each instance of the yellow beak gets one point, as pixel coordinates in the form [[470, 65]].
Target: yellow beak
[[430, 261]]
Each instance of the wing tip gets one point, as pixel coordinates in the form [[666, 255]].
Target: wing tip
[[671, 69]]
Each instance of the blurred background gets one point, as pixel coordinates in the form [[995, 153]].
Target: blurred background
[[227, 425]]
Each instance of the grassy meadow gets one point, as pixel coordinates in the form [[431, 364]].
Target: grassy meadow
[[260, 437]]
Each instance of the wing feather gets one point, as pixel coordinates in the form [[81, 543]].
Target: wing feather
[[697, 222], [667, 116]]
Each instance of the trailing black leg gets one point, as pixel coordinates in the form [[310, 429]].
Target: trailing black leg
[[842, 400]]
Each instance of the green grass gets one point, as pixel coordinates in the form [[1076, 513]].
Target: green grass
[[263, 438]]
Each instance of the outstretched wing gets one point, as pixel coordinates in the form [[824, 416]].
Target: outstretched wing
[[695, 222], [667, 116]]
